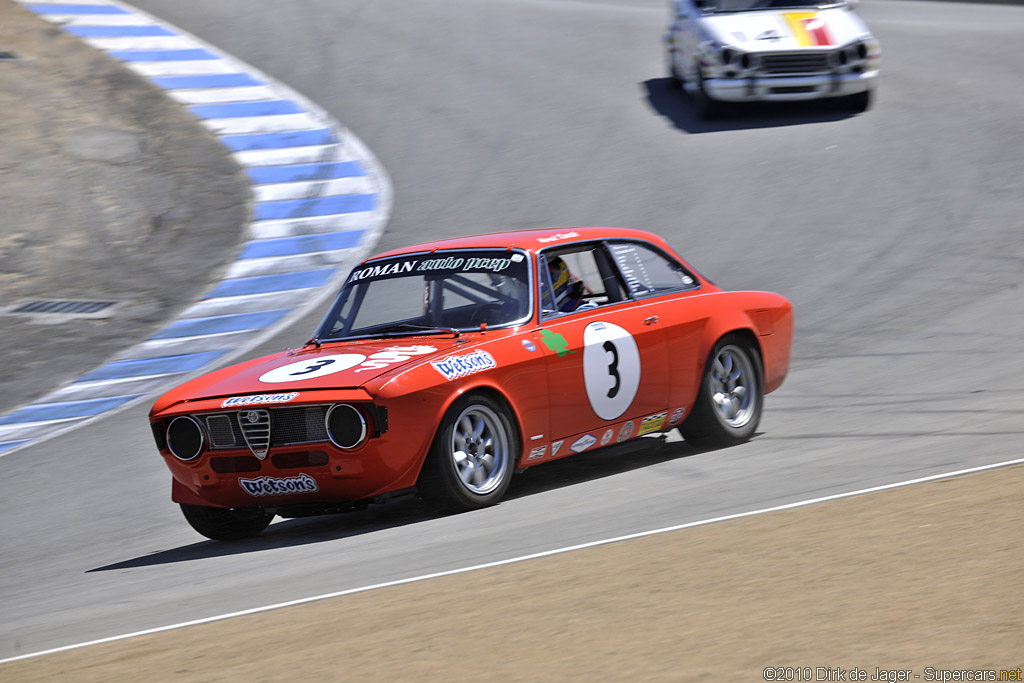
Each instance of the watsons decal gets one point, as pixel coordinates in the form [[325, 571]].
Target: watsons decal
[[456, 263], [454, 367], [258, 399], [271, 486]]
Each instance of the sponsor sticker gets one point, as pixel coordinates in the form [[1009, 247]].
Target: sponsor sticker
[[652, 423], [583, 443], [626, 431], [273, 486], [677, 416], [454, 367], [555, 446], [607, 436], [538, 453], [455, 263], [258, 399]]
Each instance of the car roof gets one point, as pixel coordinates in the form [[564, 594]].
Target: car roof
[[532, 240]]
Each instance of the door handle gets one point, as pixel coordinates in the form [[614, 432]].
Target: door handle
[[650, 321]]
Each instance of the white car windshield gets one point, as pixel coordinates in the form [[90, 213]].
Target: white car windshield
[[427, 293], [747, 5]]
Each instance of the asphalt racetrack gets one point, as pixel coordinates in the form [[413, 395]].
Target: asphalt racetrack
[[897, 234]]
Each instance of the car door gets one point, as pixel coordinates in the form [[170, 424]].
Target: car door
[[606, 361]]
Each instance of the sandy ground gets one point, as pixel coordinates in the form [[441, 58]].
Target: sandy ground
[[930, 575], [109, 192]]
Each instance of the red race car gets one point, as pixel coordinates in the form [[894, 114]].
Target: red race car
[[444, 368]]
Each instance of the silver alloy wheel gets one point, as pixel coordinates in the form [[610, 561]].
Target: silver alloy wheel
[[479, 449], [733, 386]]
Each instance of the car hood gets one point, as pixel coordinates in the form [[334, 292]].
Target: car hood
[[343, 365], [774, 31]]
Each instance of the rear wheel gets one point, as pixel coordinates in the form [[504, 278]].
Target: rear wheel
[[728, 407], [226, 524], [471, 462]]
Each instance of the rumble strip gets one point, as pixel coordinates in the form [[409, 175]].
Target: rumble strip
[[320, 202]]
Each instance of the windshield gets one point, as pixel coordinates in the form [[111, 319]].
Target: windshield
[[431, 293], [744, 5]]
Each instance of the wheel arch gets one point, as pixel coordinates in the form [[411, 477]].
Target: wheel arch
[[484, 389]]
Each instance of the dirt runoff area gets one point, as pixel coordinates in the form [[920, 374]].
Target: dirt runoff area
[[109, 191], [924, 582]]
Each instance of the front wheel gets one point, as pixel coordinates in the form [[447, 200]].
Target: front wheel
[[859, 102], [731, 395], [706, 107], [471, 462], [226, 524]]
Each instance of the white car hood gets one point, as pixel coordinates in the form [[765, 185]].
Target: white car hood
[[781, 30]]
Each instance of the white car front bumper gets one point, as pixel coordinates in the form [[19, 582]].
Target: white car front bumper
[[783, 88]]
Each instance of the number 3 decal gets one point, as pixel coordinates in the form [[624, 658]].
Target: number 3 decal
[[314, 367], [611, 368]]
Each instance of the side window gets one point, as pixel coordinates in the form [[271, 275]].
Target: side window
[[577, 279], [647, 271]]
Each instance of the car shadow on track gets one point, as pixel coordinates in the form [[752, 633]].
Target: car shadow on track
[[607, 462], [667, 99]]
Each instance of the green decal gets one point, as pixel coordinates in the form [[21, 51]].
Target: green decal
[[555, 342]]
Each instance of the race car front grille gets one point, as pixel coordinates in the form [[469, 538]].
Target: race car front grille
[[255, 424], [790, 63], [287, 427]]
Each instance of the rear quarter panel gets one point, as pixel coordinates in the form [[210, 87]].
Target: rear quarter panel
[[700, 319]]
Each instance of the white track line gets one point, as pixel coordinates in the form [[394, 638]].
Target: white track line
[[523, 558]]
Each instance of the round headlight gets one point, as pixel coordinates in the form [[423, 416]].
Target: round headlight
[[345, 426], [185, 438]]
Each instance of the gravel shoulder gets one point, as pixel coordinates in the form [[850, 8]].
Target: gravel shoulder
[[110, 192], [930, 575]]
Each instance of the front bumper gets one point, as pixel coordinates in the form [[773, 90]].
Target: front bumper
[[788, 88]]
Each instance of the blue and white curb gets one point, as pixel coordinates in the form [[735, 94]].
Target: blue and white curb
[[320, 200]]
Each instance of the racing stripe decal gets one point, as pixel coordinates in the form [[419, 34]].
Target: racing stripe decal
[[809, 29]]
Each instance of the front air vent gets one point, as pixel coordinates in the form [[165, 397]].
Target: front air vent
[[255, 426], [786, 64]]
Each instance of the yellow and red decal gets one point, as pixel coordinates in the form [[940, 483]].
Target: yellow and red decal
[[809, 29]]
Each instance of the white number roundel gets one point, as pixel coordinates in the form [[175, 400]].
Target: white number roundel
[[316, 366], [611, 368]]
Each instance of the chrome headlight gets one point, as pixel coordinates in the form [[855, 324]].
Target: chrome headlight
[[346, 426], [185, 437]]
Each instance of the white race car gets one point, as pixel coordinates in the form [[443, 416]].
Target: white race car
[[762, 50]]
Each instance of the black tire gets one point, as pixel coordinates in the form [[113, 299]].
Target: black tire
[[677, 78], [859, 102], [706, 107], [731, 396], [473, 457], [226, 524]]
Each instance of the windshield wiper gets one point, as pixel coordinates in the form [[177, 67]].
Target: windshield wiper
[[385, 329]]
